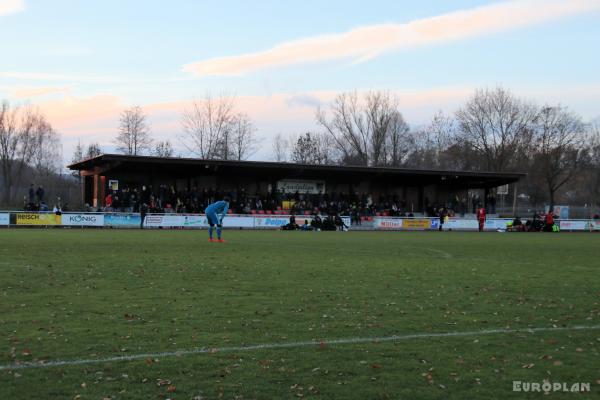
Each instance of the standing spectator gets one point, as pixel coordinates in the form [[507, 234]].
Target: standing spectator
[[143, 212], [145, 195], [549, 222], [108, 202], [316, 222], [40, 194], [442, 214], [481, 218], [31, 194]]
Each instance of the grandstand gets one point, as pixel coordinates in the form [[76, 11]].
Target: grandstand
[[188, 184]]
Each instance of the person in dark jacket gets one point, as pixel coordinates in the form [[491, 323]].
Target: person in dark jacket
[[143, 212], [442, 214], [40, 194]]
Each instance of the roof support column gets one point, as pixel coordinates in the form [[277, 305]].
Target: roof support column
[[99, 189]]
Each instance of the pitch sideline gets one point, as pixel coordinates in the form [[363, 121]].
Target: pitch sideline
[[269, 346]]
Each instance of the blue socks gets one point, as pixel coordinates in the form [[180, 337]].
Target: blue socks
[[210, 232]]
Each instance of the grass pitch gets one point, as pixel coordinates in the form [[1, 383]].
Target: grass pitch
[[95, 294]]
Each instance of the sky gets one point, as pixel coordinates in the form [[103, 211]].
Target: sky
[[83, 62]]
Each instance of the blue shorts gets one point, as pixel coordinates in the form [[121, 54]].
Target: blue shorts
[[213, 218]]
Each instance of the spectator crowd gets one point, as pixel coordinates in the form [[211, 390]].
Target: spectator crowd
[[169, 199]]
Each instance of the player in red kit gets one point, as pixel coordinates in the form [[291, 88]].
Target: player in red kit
[[481, 218]]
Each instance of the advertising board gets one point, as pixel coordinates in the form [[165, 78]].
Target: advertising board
[[37, 219], [83, 219]]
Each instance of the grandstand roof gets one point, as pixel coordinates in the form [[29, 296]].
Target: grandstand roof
[[187, 167]]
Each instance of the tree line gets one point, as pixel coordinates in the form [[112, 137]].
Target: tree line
[[493, 131], [29, 147]]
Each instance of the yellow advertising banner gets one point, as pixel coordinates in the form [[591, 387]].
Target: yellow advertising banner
[[38, 219], [416, 224]]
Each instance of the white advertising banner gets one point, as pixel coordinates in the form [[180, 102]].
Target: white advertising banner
[[495, 224], [387, 223], [461, 224], [83, 219], [195, 221], [230, 221], [163, 221], [301, 186], [274, 222], [271, 221], [238, 222], [574, 225], [4, 219]]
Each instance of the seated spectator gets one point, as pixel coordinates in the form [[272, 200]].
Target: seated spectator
[[291, 226], [56, 210], [339, 223], [516, 225], [306, 226], [316, 223], [328, 224]]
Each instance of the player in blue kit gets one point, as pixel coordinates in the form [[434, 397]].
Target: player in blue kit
[[215, 213]]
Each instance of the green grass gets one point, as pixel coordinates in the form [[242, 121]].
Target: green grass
[[81, 294]]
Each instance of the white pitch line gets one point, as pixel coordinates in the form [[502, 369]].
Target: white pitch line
[[269, 346]]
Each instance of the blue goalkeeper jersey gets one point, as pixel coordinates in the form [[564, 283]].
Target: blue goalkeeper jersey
[[219, 207]]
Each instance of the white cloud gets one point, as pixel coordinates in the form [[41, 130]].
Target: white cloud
[[368, 42], [11, 6], [43, 76], [29, 92]]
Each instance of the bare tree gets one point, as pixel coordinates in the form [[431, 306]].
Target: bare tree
[[20, 132], [281, 148], [77, 157], [498, 127], [558, 140], [398, 140], [305, 149], [436, 146], [242, 142], [348, 127], [47, 157], [77, 153], [206, 125], [163, 149], [93, 150], [367, 131], [313, 148], [134, 132], [591, 167]]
